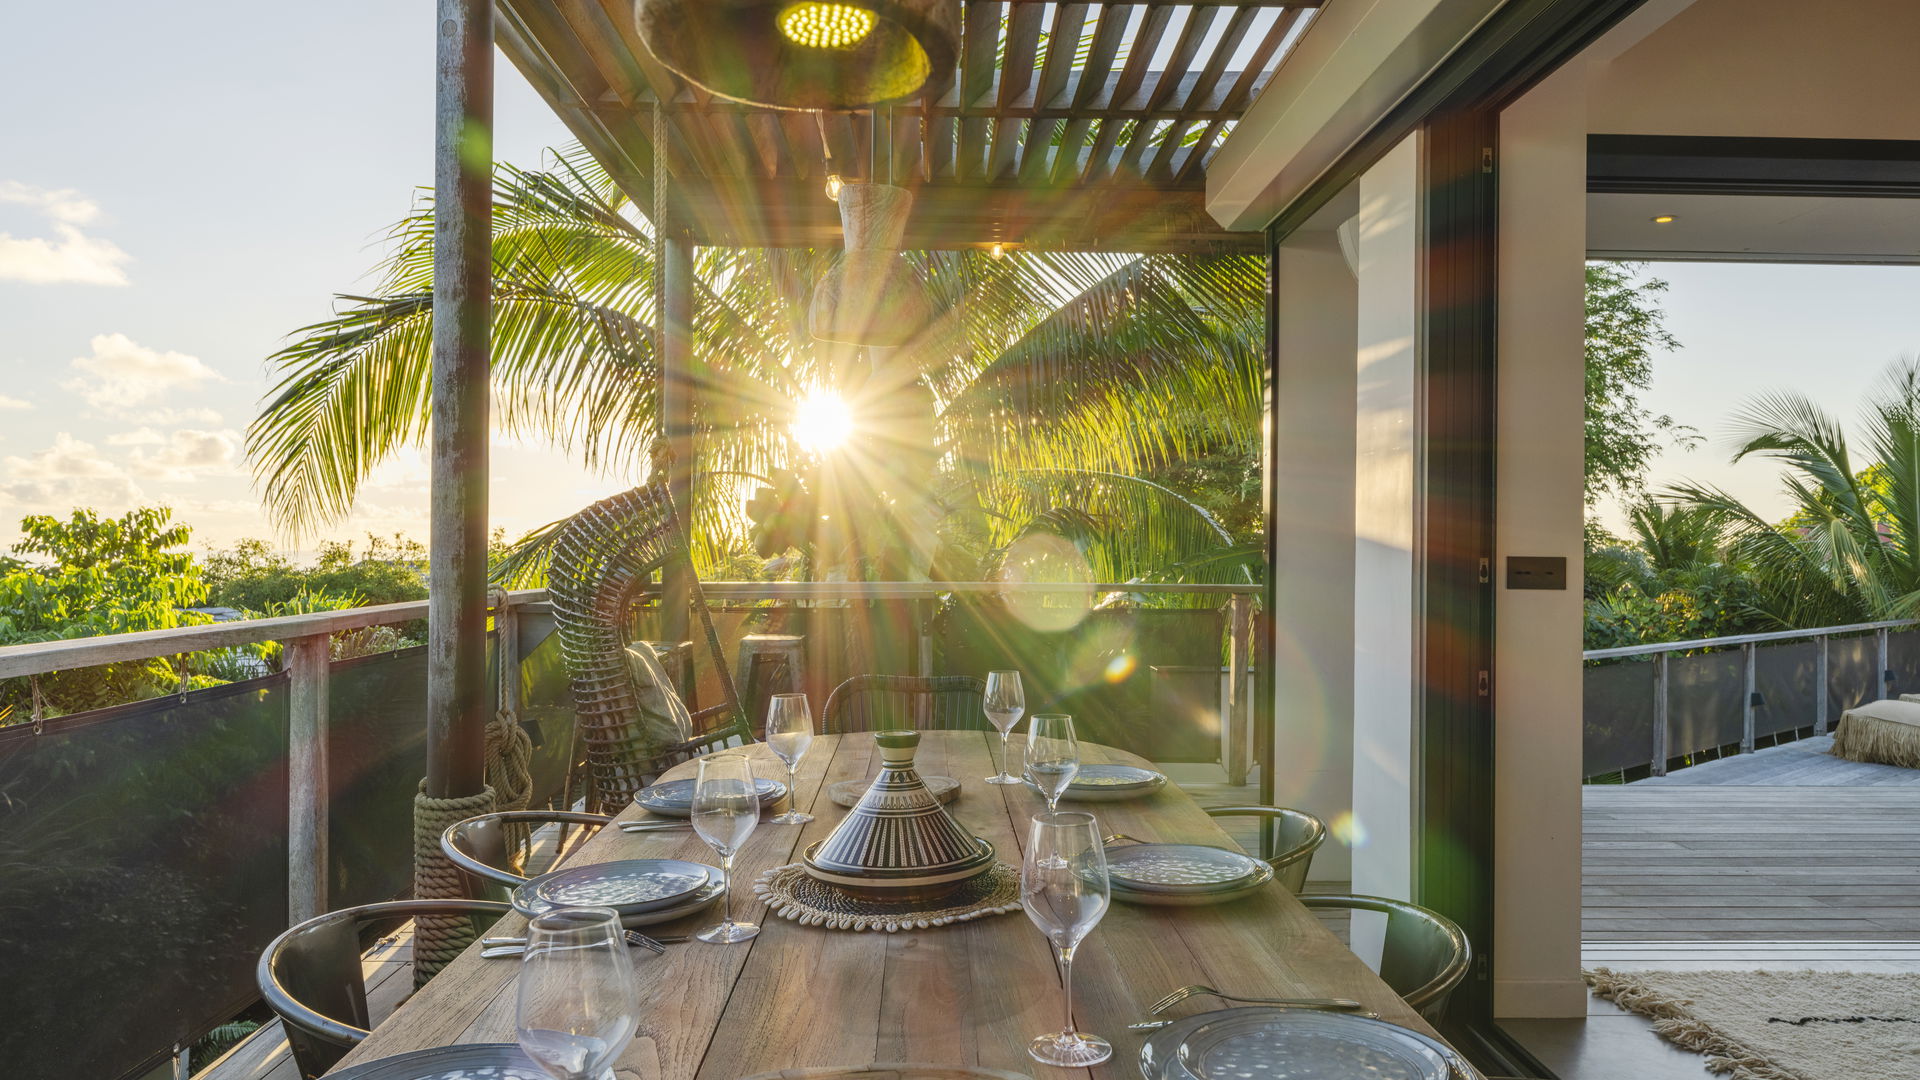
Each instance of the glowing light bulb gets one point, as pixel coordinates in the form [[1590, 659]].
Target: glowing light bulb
[[824, 25], [999, 250], [1663, 219], [833, 186]]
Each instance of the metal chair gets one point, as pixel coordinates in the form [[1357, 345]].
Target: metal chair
[[604, 559], [1288, 839], [924, 703], [310, 975], [484, 848], [1426, 954]]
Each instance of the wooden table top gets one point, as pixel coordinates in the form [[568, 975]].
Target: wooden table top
[[972, 993]]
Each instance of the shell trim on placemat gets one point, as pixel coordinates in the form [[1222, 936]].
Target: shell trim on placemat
[[791, 893]]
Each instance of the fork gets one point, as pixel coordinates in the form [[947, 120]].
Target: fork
[[653, 826], [492, 947], [1197, 990]]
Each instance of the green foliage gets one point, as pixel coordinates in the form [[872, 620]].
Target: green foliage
[[1673, 580], [253, 577], [1100, 362], [1625, 327], [87, 575]]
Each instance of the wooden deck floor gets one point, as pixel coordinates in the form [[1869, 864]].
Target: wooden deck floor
[[1786, 845]]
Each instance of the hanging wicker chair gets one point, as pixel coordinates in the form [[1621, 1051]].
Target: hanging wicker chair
[[604, 558]]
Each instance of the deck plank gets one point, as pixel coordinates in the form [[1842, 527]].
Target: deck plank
[[1789, 844]]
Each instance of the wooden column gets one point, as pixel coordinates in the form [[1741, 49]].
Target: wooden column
[[307, 786], [457, 690], [676, 402]]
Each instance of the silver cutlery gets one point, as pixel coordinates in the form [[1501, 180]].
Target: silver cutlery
[[494, 947], [1122, 838], [1156, 1025], [653, 826], [1197, 990]]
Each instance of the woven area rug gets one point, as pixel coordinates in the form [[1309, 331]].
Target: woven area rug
[[1780, 1025]]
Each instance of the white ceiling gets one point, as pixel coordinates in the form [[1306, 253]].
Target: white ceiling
[[1755, 228]]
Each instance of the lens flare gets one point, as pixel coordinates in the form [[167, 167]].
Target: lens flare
[[822, 422], [1347, 829], [826, 26], [1121, 667]]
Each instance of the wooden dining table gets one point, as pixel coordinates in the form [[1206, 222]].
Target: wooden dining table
[[970, 993]]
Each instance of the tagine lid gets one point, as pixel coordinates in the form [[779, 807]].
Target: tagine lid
[[898, 834]]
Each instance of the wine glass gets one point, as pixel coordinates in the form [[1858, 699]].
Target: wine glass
[[726, 807], [578, 1006], [789, 734], [1063, 884], [1004, 704], [1053, 755]]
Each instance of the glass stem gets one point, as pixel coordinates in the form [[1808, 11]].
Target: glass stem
[[726, 893], [793, 789], [1004, 749], [1066, 983]]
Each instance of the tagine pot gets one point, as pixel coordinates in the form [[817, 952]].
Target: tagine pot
[[898, 843]]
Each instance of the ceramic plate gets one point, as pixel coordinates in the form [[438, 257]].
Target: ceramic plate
[[675, 797], [1179, 868], [1159, 1055], [529, 906], [1195, 898], [474, 1061], [630, 886], [1301, 1044], [1110, 783]]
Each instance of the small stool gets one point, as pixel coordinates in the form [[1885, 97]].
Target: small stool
[[769, 664]]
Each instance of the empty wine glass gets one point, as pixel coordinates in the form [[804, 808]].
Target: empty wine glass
[[578, 1006], [1053, 755], [789, 733], [1063, 884], [726, 807], [1004, 704]]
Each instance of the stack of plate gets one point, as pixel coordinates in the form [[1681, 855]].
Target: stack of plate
[[1182, 874], [1295, 1044], [675, 797], [1110, 783], [643, 891]]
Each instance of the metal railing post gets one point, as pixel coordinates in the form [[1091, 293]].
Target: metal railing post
[[1236, 727], [307, 668], [1880, 672], [1820, 690], [1746, 704], [1660, 715]]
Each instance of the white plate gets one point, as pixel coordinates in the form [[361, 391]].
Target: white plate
[[629, 886], [1195, 899], [530, 906], [1110, 783], [1160, 1053], [1303, 1044], [1179, 868], [675, 797]]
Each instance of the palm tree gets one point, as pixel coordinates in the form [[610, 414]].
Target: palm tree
[[1044, 387], [1851, 550]]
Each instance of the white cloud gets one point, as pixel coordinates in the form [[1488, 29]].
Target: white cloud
[[145, 436], [69, 256], [170, 417], [68, 473], [188, 454], [121, 372], [13, 403]]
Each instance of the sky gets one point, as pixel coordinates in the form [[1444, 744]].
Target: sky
[[180, 187], [1827, 332], [224, 168]]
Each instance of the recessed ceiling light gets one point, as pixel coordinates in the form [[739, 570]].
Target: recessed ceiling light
[[1663, 219]]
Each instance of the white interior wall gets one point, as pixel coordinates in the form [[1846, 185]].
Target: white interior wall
[[1313, 498], [1384, 751], [1539, 510]]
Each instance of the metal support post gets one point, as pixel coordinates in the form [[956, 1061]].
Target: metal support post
[[1746, 704], [1820, 690], [457, 690], [1660, 715], [307, 786], [1236, 729], [1882, 677]]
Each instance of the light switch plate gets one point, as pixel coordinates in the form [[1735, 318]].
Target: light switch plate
[[1536, 572]]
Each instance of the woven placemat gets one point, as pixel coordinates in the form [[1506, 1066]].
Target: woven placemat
[[792, 893]]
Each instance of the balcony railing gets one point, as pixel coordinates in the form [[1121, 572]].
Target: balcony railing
[[1674, 700], [176, 835]]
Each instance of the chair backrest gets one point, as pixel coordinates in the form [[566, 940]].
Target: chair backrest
[[924, 703], [488, 850], [1288, 839], [604, 557], [311, 976], [1425, 956]]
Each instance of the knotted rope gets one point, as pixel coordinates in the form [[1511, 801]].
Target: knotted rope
[[437, 939]]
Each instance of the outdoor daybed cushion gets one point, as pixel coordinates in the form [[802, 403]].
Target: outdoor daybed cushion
[[1882, 732]]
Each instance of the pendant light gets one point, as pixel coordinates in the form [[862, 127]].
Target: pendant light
[[871, 296], [805, 54]]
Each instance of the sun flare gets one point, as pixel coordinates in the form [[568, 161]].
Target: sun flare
[[822, 422]]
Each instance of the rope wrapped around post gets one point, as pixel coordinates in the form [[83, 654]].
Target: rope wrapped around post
[[437, 939]]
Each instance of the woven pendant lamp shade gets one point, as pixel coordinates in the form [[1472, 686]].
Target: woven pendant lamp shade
[[871, 296], [805, 54]]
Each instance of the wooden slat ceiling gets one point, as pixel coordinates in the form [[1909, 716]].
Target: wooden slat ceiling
[[1066, 126]]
